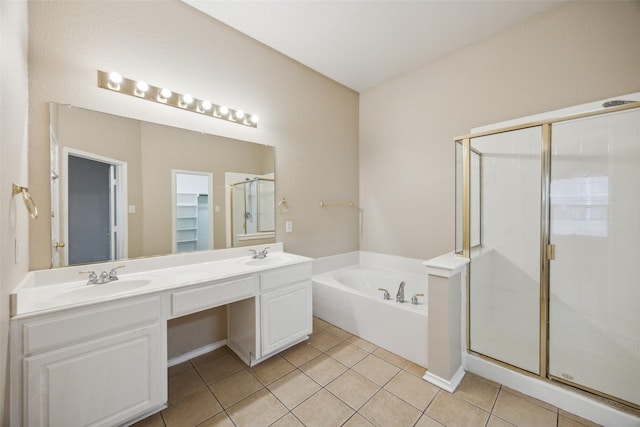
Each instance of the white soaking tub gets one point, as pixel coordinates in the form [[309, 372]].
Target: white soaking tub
[[349, 298]]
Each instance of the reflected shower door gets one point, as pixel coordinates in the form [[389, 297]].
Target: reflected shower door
[[594, 308], [504, 294]]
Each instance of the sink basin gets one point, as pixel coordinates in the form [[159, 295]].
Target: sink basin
[[103, 289], [269, 260]]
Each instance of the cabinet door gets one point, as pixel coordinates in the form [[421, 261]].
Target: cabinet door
[[103, 382], [286, 316]]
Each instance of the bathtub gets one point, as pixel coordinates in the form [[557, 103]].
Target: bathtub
[[348, 297]]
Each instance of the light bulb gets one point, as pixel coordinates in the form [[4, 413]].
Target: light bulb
[[187, 99], [114, 80], [141, 88], [239, 114], [254, 119], [223, 110], [205, 105], [164, 95]]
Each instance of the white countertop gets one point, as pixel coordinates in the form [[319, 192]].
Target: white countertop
[[36, 296]]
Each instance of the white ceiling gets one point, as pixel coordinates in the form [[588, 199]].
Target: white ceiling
[[364, 43]]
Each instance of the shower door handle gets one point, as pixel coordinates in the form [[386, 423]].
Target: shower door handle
[[551, 252]]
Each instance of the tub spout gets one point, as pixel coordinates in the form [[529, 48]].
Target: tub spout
[[400, 294], [386, 293]]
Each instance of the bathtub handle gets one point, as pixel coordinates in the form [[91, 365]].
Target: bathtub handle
[[386, 293], [414, 299]]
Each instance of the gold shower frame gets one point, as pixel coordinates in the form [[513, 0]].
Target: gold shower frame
[[546, 249]]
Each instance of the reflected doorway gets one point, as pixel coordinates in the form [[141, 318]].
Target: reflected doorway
[[95, 200], [192, 211]]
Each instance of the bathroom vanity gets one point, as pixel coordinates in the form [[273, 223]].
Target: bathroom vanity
[[87, 354]]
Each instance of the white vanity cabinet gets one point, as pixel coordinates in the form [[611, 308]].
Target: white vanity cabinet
[[286, 308], [279, 317], [98, 365]]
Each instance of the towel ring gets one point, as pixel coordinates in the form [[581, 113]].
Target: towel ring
[[283, 206], [28, 201]]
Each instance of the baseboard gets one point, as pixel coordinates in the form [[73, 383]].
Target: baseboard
[[448, 385], [195, 353]]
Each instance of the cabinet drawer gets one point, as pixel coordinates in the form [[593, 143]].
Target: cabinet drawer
[[208, 296], [285, 276], [58, 330]]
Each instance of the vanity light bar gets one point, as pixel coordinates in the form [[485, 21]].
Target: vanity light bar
[[141, 89]]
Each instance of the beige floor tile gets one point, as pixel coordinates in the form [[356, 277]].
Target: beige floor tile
[[392, 358], [353, 389], [288, 420], [413, 390], [376, 369], [180, 367], [453, 412], [232, 389], [293, 388], [258, 410], [319, 324], [340, 333], [183, 384], [474, 390], [427, 421], [217, 368], [498, 422], [357, 420], [581, 421], [545, 405], [346, 353], [323, 369], [363, 344], [415, 369], [192, 409], [220, 420], [324, 341], [272, 369], [301, 353], [222, 351], [323, 410], [523, 412], [384, 409], [154, 420]]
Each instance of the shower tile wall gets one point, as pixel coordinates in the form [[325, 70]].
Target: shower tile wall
[[505, 272]]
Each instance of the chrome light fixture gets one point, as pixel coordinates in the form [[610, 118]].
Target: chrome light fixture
[[141, 89]]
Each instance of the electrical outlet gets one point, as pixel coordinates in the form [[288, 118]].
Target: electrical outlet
[[288, 226]]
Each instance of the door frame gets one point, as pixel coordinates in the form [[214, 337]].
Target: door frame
[[118, 215]]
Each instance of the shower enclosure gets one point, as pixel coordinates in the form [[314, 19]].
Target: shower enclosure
[[252, 208], [549, 214]]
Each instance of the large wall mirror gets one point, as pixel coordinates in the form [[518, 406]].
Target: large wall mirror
[[124, 188]]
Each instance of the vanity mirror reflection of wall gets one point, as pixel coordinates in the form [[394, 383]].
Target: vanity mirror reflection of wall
[[113, 187]]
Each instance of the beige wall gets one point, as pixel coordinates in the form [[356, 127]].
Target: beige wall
[[14, 220], [311, 120], [580, 52]]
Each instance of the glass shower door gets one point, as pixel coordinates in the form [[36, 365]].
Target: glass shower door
[[504, 289], [594, 308]]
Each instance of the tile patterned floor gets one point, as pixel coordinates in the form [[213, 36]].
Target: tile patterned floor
[[337, 379]]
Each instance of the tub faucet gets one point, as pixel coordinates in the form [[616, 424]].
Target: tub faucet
[[386, 293], [414, 299], [400, 294]]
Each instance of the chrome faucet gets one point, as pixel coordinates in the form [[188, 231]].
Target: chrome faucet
[[414, 299], [400, 294], [104, 277], [259, 255], [386, 295], [93, 277]]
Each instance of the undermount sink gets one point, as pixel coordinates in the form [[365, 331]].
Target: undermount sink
[[270, 259], [104, 289]]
